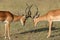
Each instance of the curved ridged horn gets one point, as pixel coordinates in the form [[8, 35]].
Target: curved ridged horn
[[28, 10], [36, 14]]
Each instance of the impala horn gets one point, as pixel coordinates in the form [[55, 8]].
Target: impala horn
[[36, 14], [28, 11]]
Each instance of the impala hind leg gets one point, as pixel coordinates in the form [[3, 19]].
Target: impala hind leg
[[50, 25]]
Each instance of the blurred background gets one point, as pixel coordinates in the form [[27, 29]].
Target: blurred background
[[29, 32]]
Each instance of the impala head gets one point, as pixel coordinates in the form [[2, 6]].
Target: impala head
[[27, 15], [23, 19], [35, 17]]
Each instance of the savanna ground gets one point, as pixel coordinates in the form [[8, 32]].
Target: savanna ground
[[29, 32]]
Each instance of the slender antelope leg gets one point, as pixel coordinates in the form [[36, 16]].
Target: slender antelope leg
[[50, 25], [5, 31], [8, 30]]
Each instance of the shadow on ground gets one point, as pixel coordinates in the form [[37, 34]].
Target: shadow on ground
[[39, 30]]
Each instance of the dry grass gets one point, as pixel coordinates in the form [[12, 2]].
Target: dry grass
[[29, 32]]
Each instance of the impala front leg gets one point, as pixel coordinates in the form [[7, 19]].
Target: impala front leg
[[7, 29], [50, 25]]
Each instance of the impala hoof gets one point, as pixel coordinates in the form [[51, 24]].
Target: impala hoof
[[48, 36], [34, 25], [9, 38], [5, 37]]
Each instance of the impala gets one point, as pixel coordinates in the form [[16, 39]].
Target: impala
[[8, 17], [51, 16]]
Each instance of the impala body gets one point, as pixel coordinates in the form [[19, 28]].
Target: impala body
[[53, 15], [8, 17]]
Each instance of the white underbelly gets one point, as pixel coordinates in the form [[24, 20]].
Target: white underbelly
[[57, 18]]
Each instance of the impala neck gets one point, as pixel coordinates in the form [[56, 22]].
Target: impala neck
[[17, 18], [42, 18]]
